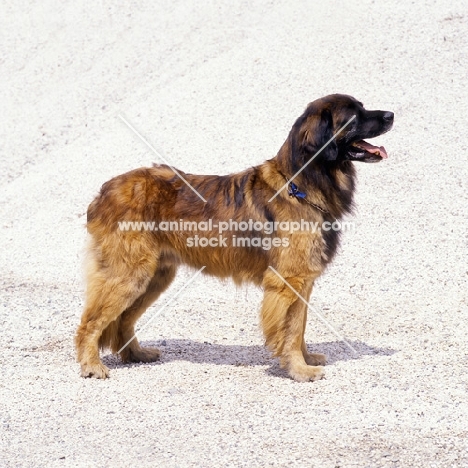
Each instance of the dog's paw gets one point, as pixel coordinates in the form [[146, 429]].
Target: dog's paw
[[98, 371], [307, 373], [142, 355], [316, 359]]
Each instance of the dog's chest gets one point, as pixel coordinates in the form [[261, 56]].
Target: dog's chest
[[330, 241]]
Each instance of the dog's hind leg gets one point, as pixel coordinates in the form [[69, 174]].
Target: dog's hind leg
[[283, 316], [133, 352], [114, 284]]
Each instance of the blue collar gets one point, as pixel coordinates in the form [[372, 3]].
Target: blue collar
[[293, 191]]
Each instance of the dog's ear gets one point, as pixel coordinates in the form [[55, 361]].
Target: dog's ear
[[317, 134], [312, 132]]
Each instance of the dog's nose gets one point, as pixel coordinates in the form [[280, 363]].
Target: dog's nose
[[388, 116]]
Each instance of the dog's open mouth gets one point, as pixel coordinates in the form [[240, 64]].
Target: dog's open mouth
[[363, 151]]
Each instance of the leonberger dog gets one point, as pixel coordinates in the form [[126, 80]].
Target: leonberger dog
[[311, 178]]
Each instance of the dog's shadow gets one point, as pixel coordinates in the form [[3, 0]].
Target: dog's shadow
[[245, 356]]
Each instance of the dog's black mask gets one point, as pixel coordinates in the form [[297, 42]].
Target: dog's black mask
[[334, 129]]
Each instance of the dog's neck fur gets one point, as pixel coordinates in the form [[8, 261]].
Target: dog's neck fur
[[334, 181]]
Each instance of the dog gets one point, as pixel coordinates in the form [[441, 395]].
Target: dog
[[311, 178]]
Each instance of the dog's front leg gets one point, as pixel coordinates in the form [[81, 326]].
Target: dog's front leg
[[313, 359], [283, 319]]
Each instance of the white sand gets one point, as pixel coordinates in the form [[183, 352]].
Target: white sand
[[217, 87]]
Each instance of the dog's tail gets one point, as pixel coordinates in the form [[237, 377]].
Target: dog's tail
[[110, 337]]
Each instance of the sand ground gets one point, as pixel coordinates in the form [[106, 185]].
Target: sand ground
[[217, 86]]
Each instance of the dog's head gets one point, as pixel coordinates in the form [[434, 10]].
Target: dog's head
[[334, 128]]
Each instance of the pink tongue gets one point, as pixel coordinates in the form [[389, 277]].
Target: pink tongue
[[372, 149]]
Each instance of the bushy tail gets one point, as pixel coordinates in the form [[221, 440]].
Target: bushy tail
[[111, 337]]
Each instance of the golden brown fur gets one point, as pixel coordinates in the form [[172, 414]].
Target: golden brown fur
[[128, 270]]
